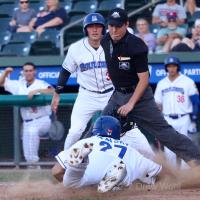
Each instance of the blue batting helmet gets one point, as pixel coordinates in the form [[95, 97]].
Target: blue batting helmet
[[93, 18], [172, 60], [107, 126]]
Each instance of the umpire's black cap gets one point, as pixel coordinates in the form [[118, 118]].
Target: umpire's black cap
[[117, 17]]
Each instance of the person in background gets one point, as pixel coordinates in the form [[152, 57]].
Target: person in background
[[142, 28], [36, 119], [177, 97], [52, 17], [188, 44], [191, 7], [161, 10], [22, 18], [167, 35]]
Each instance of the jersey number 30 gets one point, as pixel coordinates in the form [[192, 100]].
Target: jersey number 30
[[107, 146]]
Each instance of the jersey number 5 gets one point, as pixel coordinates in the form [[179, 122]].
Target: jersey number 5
[[107, 146]]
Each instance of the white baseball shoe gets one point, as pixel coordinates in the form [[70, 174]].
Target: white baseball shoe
[[76, 155], [114, 176]]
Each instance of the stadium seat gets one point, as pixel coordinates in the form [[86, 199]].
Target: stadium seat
[[67, 5], [105, 6], [4, 38], [4, 22], [44, 48], [7, 2], [195, 16], [131, 5], [50, 35], [83, 7], [25, 37], [154, 28], [15, 50], [6, 10], [76, 17], [73, 34]]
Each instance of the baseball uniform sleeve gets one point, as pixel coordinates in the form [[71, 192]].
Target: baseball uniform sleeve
[[61, 158], [192, 89], [45, 85], [11, 86], [69, 63], [158, 94]]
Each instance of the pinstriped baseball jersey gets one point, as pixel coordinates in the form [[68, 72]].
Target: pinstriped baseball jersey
[[89, 64]]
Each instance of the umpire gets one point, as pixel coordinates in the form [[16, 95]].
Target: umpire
[[127, 61]]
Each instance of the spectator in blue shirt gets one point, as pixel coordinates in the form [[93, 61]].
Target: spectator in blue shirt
[[53, 16]]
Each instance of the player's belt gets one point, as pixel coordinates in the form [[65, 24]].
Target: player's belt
[[176, 116], [99, 92], [29, 120], [125, 90]]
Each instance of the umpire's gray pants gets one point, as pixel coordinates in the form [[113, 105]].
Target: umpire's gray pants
[[147, 115]]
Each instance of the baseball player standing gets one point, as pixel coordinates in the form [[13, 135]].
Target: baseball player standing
[[86, 58], [111, 162], [36, 119], [178, 98]]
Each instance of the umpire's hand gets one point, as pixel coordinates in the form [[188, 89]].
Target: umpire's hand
[[55, 102]]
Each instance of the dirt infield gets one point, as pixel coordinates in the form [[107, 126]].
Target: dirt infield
[[185, 186]]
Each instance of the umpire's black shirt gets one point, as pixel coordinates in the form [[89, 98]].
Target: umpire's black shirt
[[125, 59]]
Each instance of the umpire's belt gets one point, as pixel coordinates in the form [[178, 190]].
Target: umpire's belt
[[125, 90], [29, 120], [99, 92], [176, 116]]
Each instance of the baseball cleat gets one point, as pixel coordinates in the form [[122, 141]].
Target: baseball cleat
[[76, 155], [114, 176]]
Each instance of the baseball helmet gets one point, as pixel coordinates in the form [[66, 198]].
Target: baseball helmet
[[93, 18], [107, 126], [172, 60]]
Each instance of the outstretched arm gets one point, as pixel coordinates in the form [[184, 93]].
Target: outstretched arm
[[6, 72]]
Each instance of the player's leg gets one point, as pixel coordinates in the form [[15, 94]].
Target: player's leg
[[114, 175], [30, 142], [82, 112], [73, 175], [138, 141]]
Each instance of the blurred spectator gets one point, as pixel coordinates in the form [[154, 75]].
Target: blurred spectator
[[36, 119], [166, 35], [142, 28], [53, 16], [22, 18], [161, 10], [188, 44], [191, 7]]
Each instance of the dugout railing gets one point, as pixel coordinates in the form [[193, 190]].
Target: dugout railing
[[11, 122]]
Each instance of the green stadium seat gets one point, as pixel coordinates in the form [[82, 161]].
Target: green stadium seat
[[6, 10], [83, 7], [44, 48], [67, 5], [51, 35], [106, 5], [76, 17], [23, 37], [4, 38], [4, 22], [15, 50], [154, 28], [131, 5], [73, 34]]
